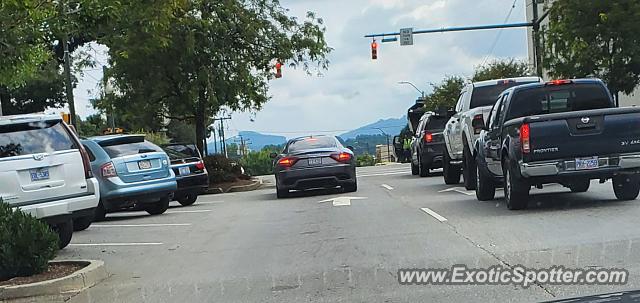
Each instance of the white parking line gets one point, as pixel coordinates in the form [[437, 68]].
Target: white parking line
[[188, 211], [434, 214], [141, 225], [117, 244], [389, 187], [386, 174], [208, 202]]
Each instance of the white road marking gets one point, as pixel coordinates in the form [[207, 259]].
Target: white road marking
[[460, 190], [389, 187], [386, 174], [117, 244], [141, 225], [188, 211], [208, 202], [434, 214], [342, 201]]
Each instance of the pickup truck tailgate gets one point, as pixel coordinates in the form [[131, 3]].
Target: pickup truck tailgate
[[584, 134]]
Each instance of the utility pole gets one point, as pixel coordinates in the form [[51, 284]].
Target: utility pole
[[223, 147], [215, 143], [536, 41], [67, 70]]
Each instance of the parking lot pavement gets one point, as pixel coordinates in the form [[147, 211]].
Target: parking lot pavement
[[252, 247]]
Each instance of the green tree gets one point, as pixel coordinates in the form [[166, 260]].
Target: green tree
[[594, 38], [93, 125], [500, 69], [257, 163], [43, 89], [181, 131], [445, 94]]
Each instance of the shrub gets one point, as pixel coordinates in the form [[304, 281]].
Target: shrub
[[221, 169], [26, 244], [258, 163], [365, 160]]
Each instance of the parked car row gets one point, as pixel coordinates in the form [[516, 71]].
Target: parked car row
[[68, 182], [524, 132]]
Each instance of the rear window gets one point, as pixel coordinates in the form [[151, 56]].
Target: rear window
[[436, 122], [488, 95], [127, 149], [34, 138], [558, 99], [181, 151], [311, 143]]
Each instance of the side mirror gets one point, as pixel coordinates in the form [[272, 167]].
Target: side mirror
[[273, 155], [350, 147], [478, 124]]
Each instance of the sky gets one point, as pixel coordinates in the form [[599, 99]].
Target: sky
[[356, 90]]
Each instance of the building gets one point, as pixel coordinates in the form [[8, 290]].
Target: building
[[625, 100]]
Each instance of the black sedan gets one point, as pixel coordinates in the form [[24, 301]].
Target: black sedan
[[314, 162], [191, 174]]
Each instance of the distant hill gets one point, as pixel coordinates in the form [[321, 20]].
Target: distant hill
[[257, 140], [390, 126]]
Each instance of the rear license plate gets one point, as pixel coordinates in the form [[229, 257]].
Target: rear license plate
[[39, 174], [315, 161], [144, 164], [184, 171], [587, 163]]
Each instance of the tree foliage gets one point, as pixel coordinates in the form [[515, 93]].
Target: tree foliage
[[445, 94], [500, 69], [594, 38]]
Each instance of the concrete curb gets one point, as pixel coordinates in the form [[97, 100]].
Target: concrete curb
[[213, 190], [253, 186], [76, 282]]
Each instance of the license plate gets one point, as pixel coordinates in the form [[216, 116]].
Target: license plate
[[39, 174], [144, 164], [587, 163], [184, 171], [315, 161]]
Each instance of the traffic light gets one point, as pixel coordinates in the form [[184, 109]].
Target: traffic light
[[374, 50], [278, 69]]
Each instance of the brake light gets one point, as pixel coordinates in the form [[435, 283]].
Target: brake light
[[505, 82], [428, 137], [108, 170], [86, 163], [287, 161], [477, 123], [342, 157], [525, 135], [559, 82], [200, 165]]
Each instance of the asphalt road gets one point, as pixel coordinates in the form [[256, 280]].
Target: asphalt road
[[252, 247]]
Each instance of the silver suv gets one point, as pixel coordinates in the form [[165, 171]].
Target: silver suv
[[45, 171]]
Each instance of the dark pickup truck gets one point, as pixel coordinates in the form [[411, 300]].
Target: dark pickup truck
[[563, 131]]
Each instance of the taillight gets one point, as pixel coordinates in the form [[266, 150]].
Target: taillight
[[86, 163], [341, 157], [200, 165], [428, 137], [559, 82], [525, 141], [108, 170], [477, 123], [287, 161]]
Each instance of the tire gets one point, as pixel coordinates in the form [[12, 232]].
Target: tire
[[188, 199], [158, 208], [100, 213], [626, 187], [580, 186], [423, 170], [450, 172], [516, 192], [414, 169], [485, 186], [65, 232], [351, 187], [282, 193], [82, 223], [468, 169]]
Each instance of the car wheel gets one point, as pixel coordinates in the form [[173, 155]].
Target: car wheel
[[82, 223], [468, 169], [580, 186], [516, 192], [450, 172], [188, 199], [626, 187], [423, 169], [159, 207], [100, 213], [281, 193], [414, 169], [485, 186], [351, 187], [65, 232]]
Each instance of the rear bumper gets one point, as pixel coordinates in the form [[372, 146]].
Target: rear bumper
[[119, 195], [194, 183], [607, 166], [64, 209], [432, 155], [316, 177]]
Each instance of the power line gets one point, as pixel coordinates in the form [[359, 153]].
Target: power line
[[326, 131], [495, 42]]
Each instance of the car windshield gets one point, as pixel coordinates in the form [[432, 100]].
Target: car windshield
[[488, 95], [311, 143], [436, 123], [33, 138], [181, 151], [127, 149], [557, 99]]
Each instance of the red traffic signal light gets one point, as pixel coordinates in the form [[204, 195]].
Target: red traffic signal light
[[278, 69], [374, 50]]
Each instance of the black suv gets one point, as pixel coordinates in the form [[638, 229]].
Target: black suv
[[427, 145], [191, 175]]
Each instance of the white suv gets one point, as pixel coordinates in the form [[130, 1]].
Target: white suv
[[45, 171]]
